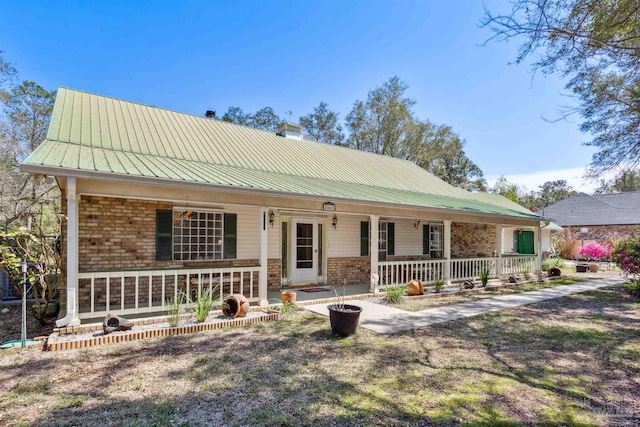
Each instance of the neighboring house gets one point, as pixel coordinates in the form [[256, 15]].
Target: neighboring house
[[159, 202], [602, 218]]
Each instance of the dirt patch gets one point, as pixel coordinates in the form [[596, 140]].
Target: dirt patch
[[10, 324], [568, 361]]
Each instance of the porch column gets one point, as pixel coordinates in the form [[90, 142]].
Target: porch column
[[73, 199], [373, 251], [262, 280], [537, 231], [499, 250], [447, 252]]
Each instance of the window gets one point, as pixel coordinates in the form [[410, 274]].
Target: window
[[197, 235], [436, 241], [433, 240], [382, 240]]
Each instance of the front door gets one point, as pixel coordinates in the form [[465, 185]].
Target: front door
[[305, 250]]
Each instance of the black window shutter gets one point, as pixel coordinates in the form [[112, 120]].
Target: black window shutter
[[391, 238], [164, 231], [364, 238], [425, 239], [230, 236]]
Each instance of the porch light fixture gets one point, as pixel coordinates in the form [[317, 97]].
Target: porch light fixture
[[272, 218], [334, 222], [416, 224]]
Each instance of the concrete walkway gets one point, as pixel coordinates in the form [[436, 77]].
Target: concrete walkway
[[386, 320]]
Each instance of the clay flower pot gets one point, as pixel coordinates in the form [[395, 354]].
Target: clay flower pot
[[554, 272], [235, 305], [415, 287], [288, 296]]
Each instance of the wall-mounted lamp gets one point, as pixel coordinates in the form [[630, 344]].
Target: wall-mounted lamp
[[416, 224], [272, 218], [334, 222]]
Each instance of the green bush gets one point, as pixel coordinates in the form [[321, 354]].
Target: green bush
[[484, 276], [395, 294], [438, 284], [546, 265], [174, 309], [204, 303], [555, 262], [632, 287], [288, 308], [527, 274]]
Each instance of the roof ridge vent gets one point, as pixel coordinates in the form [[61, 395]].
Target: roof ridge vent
[[290, 131]]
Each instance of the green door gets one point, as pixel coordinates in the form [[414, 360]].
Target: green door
[[525, 242]]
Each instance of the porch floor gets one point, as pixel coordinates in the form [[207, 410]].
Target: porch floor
[[349, 290]]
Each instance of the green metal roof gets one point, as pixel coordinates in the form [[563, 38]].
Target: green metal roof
[[93, 133]]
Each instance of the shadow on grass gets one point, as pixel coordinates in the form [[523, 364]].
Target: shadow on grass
[[294, 372]]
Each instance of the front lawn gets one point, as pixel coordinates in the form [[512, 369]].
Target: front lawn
[[565, 361], [458, 298]]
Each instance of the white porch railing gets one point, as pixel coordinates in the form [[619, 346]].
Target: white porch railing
[[519, 264], [470, 268], [400, 272], [147, 291]]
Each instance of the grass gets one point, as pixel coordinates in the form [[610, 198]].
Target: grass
[[423, 304], [559, 362]]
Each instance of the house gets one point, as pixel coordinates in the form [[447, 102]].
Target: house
[[159, 202], [598, 217]]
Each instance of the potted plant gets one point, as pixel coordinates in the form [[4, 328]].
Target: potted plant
[[344, 318]]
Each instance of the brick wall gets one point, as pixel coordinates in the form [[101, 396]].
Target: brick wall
[[469, 241], [607, 232], [274, 276], [356, 270]]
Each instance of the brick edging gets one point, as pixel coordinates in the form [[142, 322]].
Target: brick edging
[[53, 345]]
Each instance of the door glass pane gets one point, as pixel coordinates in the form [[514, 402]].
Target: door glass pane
[[320, 267], [304, 249]]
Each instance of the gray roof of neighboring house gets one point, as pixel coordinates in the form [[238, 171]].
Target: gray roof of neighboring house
[[602, 209]]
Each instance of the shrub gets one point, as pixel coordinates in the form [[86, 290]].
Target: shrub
[[632, 287], [288, 308], [438, 284], [555, 262], [484, 276], [395, 294], [563, 242], [204, 304], [174, 308], [596, 250], [546, 265], [527, 274], [627, 256]]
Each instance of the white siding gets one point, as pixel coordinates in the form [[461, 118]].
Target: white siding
[[546, 240], [274, 241], [408, 240], [344, 240], [248, 231], [507, 239]]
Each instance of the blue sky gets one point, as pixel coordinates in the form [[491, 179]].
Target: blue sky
[[194, 56]]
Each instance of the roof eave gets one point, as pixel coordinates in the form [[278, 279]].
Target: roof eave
[[111, 176]]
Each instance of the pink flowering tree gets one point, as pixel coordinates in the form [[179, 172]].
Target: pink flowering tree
[[596, 250]]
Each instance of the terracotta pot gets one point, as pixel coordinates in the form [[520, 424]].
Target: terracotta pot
[[288, 296], [593, 267], [415, 287], [235, 305]]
